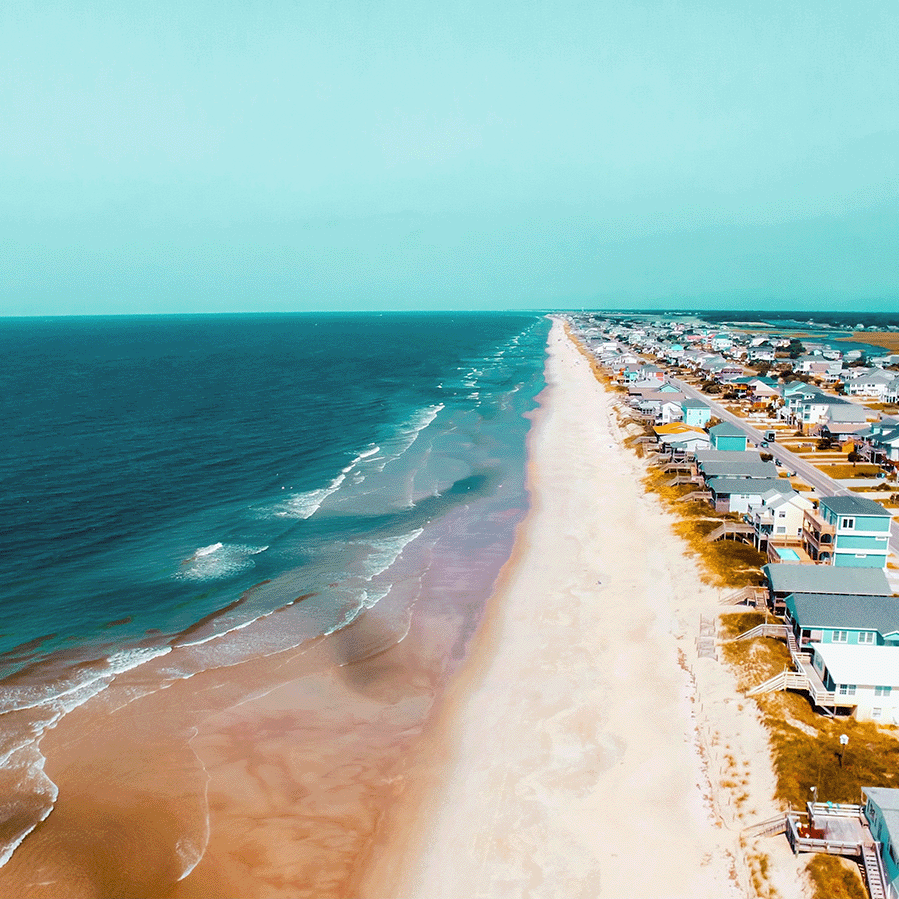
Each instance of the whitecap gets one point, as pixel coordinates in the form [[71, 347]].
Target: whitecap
[[218, 560], [409, 431]]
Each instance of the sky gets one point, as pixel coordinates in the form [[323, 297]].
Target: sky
[[212, 155]]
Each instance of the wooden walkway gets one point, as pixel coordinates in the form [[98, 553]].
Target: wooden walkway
[[736, 529], [831, 829]]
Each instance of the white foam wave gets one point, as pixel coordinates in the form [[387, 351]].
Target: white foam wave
[[218, 560], [387, 551], [409, 432], [35, 787], [38, 791], [305, 505], [206, 550]]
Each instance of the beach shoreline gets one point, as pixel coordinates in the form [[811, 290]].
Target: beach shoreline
[[585, 748]]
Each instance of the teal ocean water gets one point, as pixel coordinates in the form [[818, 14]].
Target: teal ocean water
[[191, 492]]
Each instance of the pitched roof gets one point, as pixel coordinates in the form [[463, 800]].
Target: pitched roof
[[678, 427], [726, 429], [861, 665], [853, 505], [786, 578], [739, 468], [887, 800], [693, 404], [839, 610], [727, 455], [748, 486]]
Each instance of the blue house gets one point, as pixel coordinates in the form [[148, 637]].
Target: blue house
[[848, 531], [695, 413], [726, 436], [882, 812], [853, 620]]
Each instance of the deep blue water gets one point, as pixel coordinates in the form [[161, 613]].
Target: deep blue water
[[156, 468]]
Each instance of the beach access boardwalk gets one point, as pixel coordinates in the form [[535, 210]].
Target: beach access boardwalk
[[839, 829], [830, 828]]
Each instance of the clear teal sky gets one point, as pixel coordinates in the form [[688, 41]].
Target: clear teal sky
[[271, 155]]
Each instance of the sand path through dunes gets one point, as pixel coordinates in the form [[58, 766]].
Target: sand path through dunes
[[574, 768]]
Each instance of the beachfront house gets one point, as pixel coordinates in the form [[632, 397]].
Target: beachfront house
[[728, 437], [784, 579], [779, 519], [731, 464], [863, 678], [845, 619], [682, 439], [695, 412], [882, 813], [742, 495], [848, 532]]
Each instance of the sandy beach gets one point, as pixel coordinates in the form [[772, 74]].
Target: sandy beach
[[582, 750]]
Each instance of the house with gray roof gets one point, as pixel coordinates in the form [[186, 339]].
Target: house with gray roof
[[784, 579], [843, 618], [695, 412], [749, 467], [744, 494], [882, 813]]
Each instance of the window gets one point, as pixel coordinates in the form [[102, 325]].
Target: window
[[882, 691], [847, 524], [841, 636], [847, 689], [866, 637], [876, 713]]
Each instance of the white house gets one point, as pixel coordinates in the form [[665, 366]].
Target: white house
[[779, 516], [865, 678], [874, 384]]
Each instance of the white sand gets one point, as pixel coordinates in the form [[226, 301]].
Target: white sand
[[586, 742]]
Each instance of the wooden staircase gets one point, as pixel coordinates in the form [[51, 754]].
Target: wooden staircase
[[754, 596], [874, 873], [768, 828], [730, 527]]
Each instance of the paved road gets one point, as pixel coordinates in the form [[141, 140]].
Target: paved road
[[814, 477]]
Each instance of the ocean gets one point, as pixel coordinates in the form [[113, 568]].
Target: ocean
[[186, 493]]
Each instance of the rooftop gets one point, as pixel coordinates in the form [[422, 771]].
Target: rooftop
[[843, 611], [726, 429], [727, 456], [861, 665], [751, 467], [827, 579], [853, 505], [748, 486]]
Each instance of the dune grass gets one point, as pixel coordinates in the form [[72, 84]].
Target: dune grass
[[806, 743], [725, 563], [805, 746], [835, 878]]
